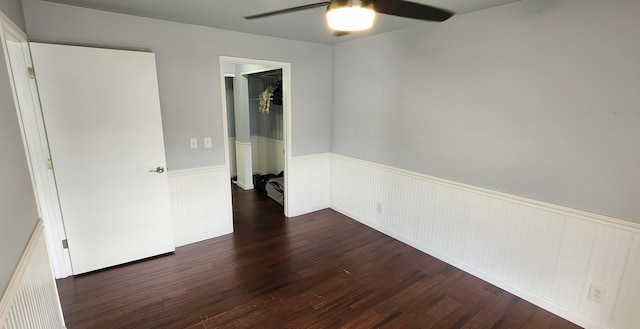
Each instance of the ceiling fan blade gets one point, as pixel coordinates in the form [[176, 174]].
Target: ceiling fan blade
[[411, 10], [289, 10]]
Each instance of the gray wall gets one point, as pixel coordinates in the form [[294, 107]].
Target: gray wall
[[13, 10], [270, 124], [537, 98], [231, 120], [18, 210], [189, 73]]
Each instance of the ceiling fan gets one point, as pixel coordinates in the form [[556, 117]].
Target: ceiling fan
[[344, 16]]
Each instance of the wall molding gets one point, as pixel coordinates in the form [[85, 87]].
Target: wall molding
[[544, 253], [198, 170], [314, 156], [585, 215], [270, 140]]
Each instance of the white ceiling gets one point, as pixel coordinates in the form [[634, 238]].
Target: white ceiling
[[307, 25]]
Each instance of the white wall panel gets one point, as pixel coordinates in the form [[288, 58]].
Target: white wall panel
[[31, 298], [254, 154], [544, 253], [607, 262], [244, 165], [270, 155], [200, 203], [572, 262], [626, 312], [307, 184], [267, 155]]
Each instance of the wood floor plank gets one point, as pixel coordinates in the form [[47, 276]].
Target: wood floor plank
[[320, 270]]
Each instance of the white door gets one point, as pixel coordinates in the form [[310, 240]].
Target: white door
[[102, 116]]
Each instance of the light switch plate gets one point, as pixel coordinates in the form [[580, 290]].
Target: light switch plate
[[194, 143], [207, 142]]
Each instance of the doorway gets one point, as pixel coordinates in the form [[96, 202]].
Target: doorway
[[256, 108]]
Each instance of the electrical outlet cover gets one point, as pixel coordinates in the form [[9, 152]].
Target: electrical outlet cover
[[597, 293]]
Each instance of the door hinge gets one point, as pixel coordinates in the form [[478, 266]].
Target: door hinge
[[49, 164], [32, 72], [65, 244]]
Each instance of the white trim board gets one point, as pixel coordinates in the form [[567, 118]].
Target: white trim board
[[17, 53], [8, 23], [192, 171], [543, 253]]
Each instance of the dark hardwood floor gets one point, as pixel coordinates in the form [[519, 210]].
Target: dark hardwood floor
[[321, 270]]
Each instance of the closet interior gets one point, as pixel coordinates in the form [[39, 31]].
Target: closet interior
[[256, 132]]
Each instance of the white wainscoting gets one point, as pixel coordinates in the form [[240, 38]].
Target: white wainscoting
[[270, 155], [267, 155], [546, 254], [200, 203], [244, 165], [31, 298], [308, 180]]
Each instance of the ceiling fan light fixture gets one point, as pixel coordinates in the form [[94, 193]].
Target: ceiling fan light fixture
[[352, 15]]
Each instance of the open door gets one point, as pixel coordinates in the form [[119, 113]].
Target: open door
[[101, 112]]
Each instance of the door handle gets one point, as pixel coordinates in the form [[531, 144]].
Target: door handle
[[158, 170]]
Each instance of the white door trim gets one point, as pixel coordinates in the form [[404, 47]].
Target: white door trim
[[9, 26], [286, 111], [16, 51]]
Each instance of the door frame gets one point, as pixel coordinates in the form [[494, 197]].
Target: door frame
[[15, 45], [286, 112]]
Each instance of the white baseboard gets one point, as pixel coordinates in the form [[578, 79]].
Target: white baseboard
[[304, 211], [546, 254], [193, 238]]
